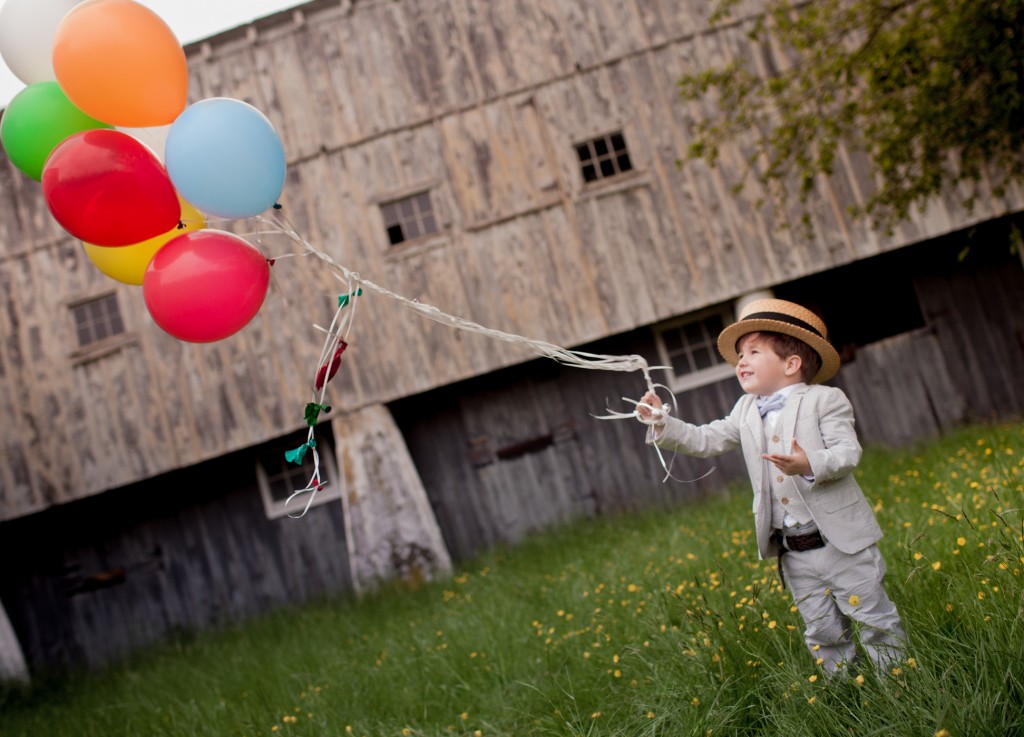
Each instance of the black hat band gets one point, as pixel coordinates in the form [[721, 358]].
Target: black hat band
[[780, 317]]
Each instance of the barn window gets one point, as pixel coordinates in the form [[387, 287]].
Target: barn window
[[690, 347], [97, 319], [278, 478], [409, 218], [603, 157]]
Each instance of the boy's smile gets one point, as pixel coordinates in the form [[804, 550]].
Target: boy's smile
[[761, 370]]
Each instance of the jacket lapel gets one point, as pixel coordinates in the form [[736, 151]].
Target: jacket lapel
[[754, 429]]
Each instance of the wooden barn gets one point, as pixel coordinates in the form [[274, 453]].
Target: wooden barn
[[510, 162]]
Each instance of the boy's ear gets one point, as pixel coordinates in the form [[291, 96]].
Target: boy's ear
[[793, 365]]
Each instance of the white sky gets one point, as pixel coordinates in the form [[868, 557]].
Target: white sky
[[190, 20]]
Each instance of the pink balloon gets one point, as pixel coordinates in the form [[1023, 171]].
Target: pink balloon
[[205, 285], [106, 188]]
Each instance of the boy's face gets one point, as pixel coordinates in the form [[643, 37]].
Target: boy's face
[[761, 370]]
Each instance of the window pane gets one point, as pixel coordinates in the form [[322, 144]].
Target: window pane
[[412, 230], [97, 319], [116, 324], [429, 226], [681, 364], [603, 157], [409, 218], [390, 214], [673, 340], [702, 358], [694, 333]]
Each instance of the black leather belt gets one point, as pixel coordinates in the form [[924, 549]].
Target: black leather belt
[[799, 543], [796, 544]]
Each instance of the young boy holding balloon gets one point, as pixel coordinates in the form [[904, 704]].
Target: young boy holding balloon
[[798, 441]]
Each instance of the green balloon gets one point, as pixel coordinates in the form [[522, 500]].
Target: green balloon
[[37, 120]]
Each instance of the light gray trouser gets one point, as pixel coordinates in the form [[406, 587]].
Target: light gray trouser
[[831, 588]]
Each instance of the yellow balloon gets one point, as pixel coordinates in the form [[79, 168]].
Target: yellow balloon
[[128, 263]]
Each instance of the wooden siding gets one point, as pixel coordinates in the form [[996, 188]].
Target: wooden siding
[[102, 577], [519, 451], [480, 103]]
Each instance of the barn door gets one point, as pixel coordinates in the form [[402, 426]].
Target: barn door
[[901, 390]]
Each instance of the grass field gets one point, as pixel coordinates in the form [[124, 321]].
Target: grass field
[[660, 624]]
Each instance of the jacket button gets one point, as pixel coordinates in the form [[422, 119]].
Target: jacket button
[[780, 479], [775, 438], [785, 500]]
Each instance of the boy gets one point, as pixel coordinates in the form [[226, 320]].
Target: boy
[[800, 448]]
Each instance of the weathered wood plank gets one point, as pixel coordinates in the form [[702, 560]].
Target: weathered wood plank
[[391, 532]]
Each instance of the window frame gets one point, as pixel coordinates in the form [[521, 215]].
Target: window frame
[[597, 158], [84, 353], [410, 196], [103, 298], [332, 491], [702, 377]]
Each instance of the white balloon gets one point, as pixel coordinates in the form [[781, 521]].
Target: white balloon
[[27, 30], [155, 137]]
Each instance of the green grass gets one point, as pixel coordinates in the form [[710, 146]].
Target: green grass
[[660, 624]]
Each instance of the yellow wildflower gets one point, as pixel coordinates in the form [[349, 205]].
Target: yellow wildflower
[[854, 600], [936, 565]]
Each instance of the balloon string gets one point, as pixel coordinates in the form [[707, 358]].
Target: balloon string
[[579, 359]]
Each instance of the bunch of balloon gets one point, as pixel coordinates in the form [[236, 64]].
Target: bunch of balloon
[[130, 169]]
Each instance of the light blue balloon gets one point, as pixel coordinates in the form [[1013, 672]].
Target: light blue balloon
[[224, 156]]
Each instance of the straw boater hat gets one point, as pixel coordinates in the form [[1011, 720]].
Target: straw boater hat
[[780, 316]]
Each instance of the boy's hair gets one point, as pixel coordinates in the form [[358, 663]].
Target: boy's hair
[[785, 346]]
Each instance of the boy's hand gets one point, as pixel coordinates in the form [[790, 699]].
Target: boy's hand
[[651, 399], [793, 464]]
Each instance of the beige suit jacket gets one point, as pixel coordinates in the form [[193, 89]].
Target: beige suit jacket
[[821, 420]]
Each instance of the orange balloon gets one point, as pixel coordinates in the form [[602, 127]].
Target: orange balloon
[[118, 62]]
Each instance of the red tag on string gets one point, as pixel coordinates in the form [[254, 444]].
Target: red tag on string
[[327, 371]]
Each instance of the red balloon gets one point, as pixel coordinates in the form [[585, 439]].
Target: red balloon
[[205, 285], [107, 188]]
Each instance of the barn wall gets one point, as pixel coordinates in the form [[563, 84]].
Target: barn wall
[[519, 451], [479, 102], [102, 577]]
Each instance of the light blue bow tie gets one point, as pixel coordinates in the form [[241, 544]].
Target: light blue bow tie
[[769, 404]]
